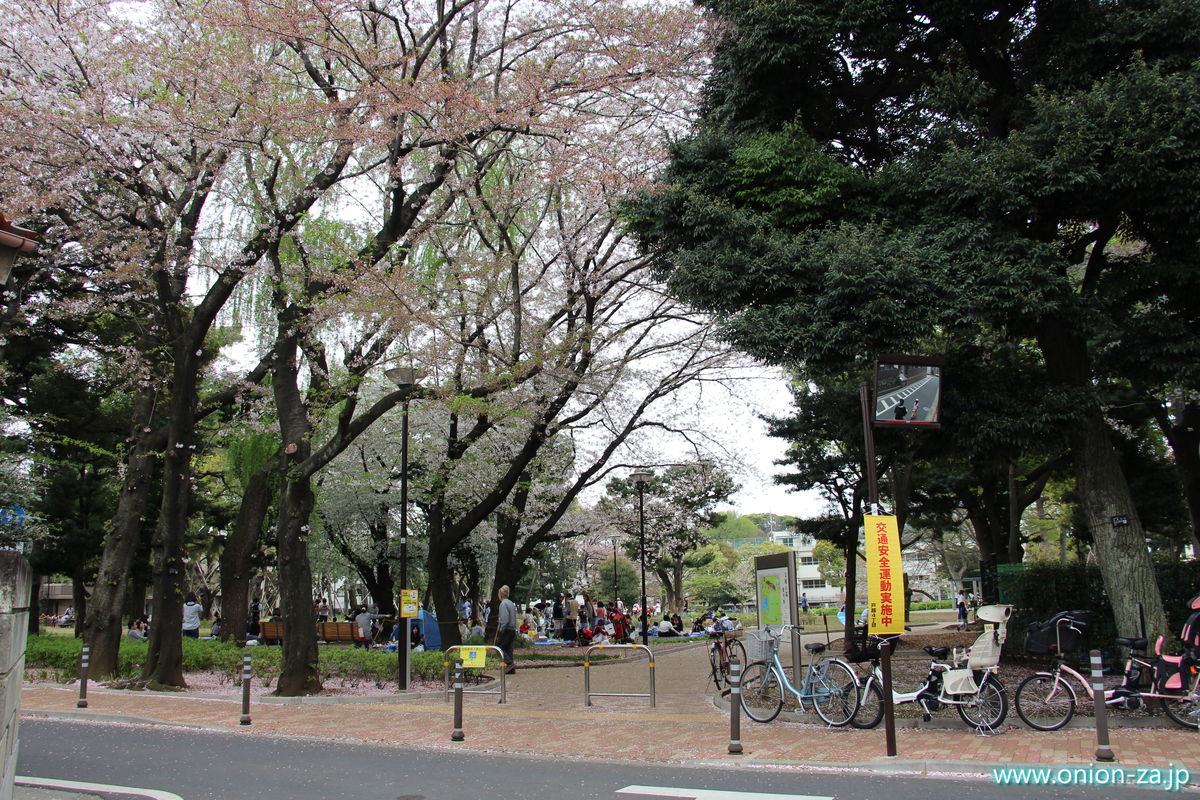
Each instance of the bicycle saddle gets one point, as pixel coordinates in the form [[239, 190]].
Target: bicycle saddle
[[814, 647], [937, 652], [1132, 644]]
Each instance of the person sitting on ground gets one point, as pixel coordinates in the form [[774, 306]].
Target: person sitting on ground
[[416, 639], [677, 622], [137, 631], [476, 628], [665, 628]]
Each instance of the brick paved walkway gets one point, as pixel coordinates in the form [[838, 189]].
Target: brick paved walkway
[[545, 714]]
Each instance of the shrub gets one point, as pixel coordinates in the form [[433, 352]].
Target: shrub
[[347, 666], [1039, 591], [929, 605]]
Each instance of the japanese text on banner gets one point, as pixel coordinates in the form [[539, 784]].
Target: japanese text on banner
[[885, 575]]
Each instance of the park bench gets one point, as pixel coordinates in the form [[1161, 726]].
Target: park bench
[[270, 632], [337, 632]]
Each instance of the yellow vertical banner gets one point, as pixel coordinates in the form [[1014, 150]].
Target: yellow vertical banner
[[885, 575]]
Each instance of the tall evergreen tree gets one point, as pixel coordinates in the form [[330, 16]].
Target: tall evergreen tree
[[879, 175]]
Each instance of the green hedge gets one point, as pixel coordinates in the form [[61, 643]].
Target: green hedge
[[347, 666], [1039, 591]]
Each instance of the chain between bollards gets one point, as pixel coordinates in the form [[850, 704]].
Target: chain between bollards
[[457, 734], [1103, 751], [83, 677], [246, 689], [735, 706]]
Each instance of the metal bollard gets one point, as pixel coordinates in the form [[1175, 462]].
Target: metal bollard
[[245, 689], [735, 706], [457, 734], [83, 677], [652, 697], [1103, 751]]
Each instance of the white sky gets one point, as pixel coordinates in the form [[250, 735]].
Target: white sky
[[730, 418]]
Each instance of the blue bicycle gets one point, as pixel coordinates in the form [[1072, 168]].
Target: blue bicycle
[[829, 684]]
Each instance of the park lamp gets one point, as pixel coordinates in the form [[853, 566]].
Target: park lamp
[[405, 378], [640, 479]]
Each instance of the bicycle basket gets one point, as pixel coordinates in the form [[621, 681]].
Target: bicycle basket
[[862, 649], [1065, 627], [760, 645]]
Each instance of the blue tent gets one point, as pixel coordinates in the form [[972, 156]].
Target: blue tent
[[429, 627]]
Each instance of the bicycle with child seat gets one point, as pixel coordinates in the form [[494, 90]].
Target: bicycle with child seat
[[1046, 701], [963, 678], [829, 684], [722, 648]]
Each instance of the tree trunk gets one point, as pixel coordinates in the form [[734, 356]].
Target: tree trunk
[[34, 620], [103, 628], [298, 674], [236, 558], [1120, 549], [677, 586], [1104, 494], [1183, 435], [441, 583], [851, 554], [164, 659], [508, 570], [378, 576], [79, 599]]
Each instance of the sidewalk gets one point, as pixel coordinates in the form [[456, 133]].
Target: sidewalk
[[545, 714]]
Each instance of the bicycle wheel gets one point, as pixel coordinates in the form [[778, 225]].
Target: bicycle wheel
[[870, 706], [1185, 709], [987, 708], [835, 689], [720, 672], [762, 696], [734, 648], [1045, 701]]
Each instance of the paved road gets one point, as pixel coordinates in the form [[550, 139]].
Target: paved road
[[924, 393], [218, 765]]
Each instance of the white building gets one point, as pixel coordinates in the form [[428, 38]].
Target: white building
[[808, 576]]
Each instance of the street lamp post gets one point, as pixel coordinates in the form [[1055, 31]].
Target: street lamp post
[[614, 544], [405, 378], [640, 478]]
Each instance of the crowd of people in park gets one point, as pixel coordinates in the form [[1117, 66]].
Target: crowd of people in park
[[567, 619]]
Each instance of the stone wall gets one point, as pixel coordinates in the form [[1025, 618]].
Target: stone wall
[[15, 581]]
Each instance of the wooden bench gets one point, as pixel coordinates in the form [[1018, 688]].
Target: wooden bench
[[337, 632], [270, 632]]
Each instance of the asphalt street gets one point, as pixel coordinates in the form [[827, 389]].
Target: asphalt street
[[201, 764]]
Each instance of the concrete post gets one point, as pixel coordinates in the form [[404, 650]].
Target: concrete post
[[1103, 750], [15, 581], [735, 706], [247, 673], [456, 735]]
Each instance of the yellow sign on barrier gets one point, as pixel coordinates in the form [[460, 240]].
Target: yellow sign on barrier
[[473, 656], [885, 576]]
